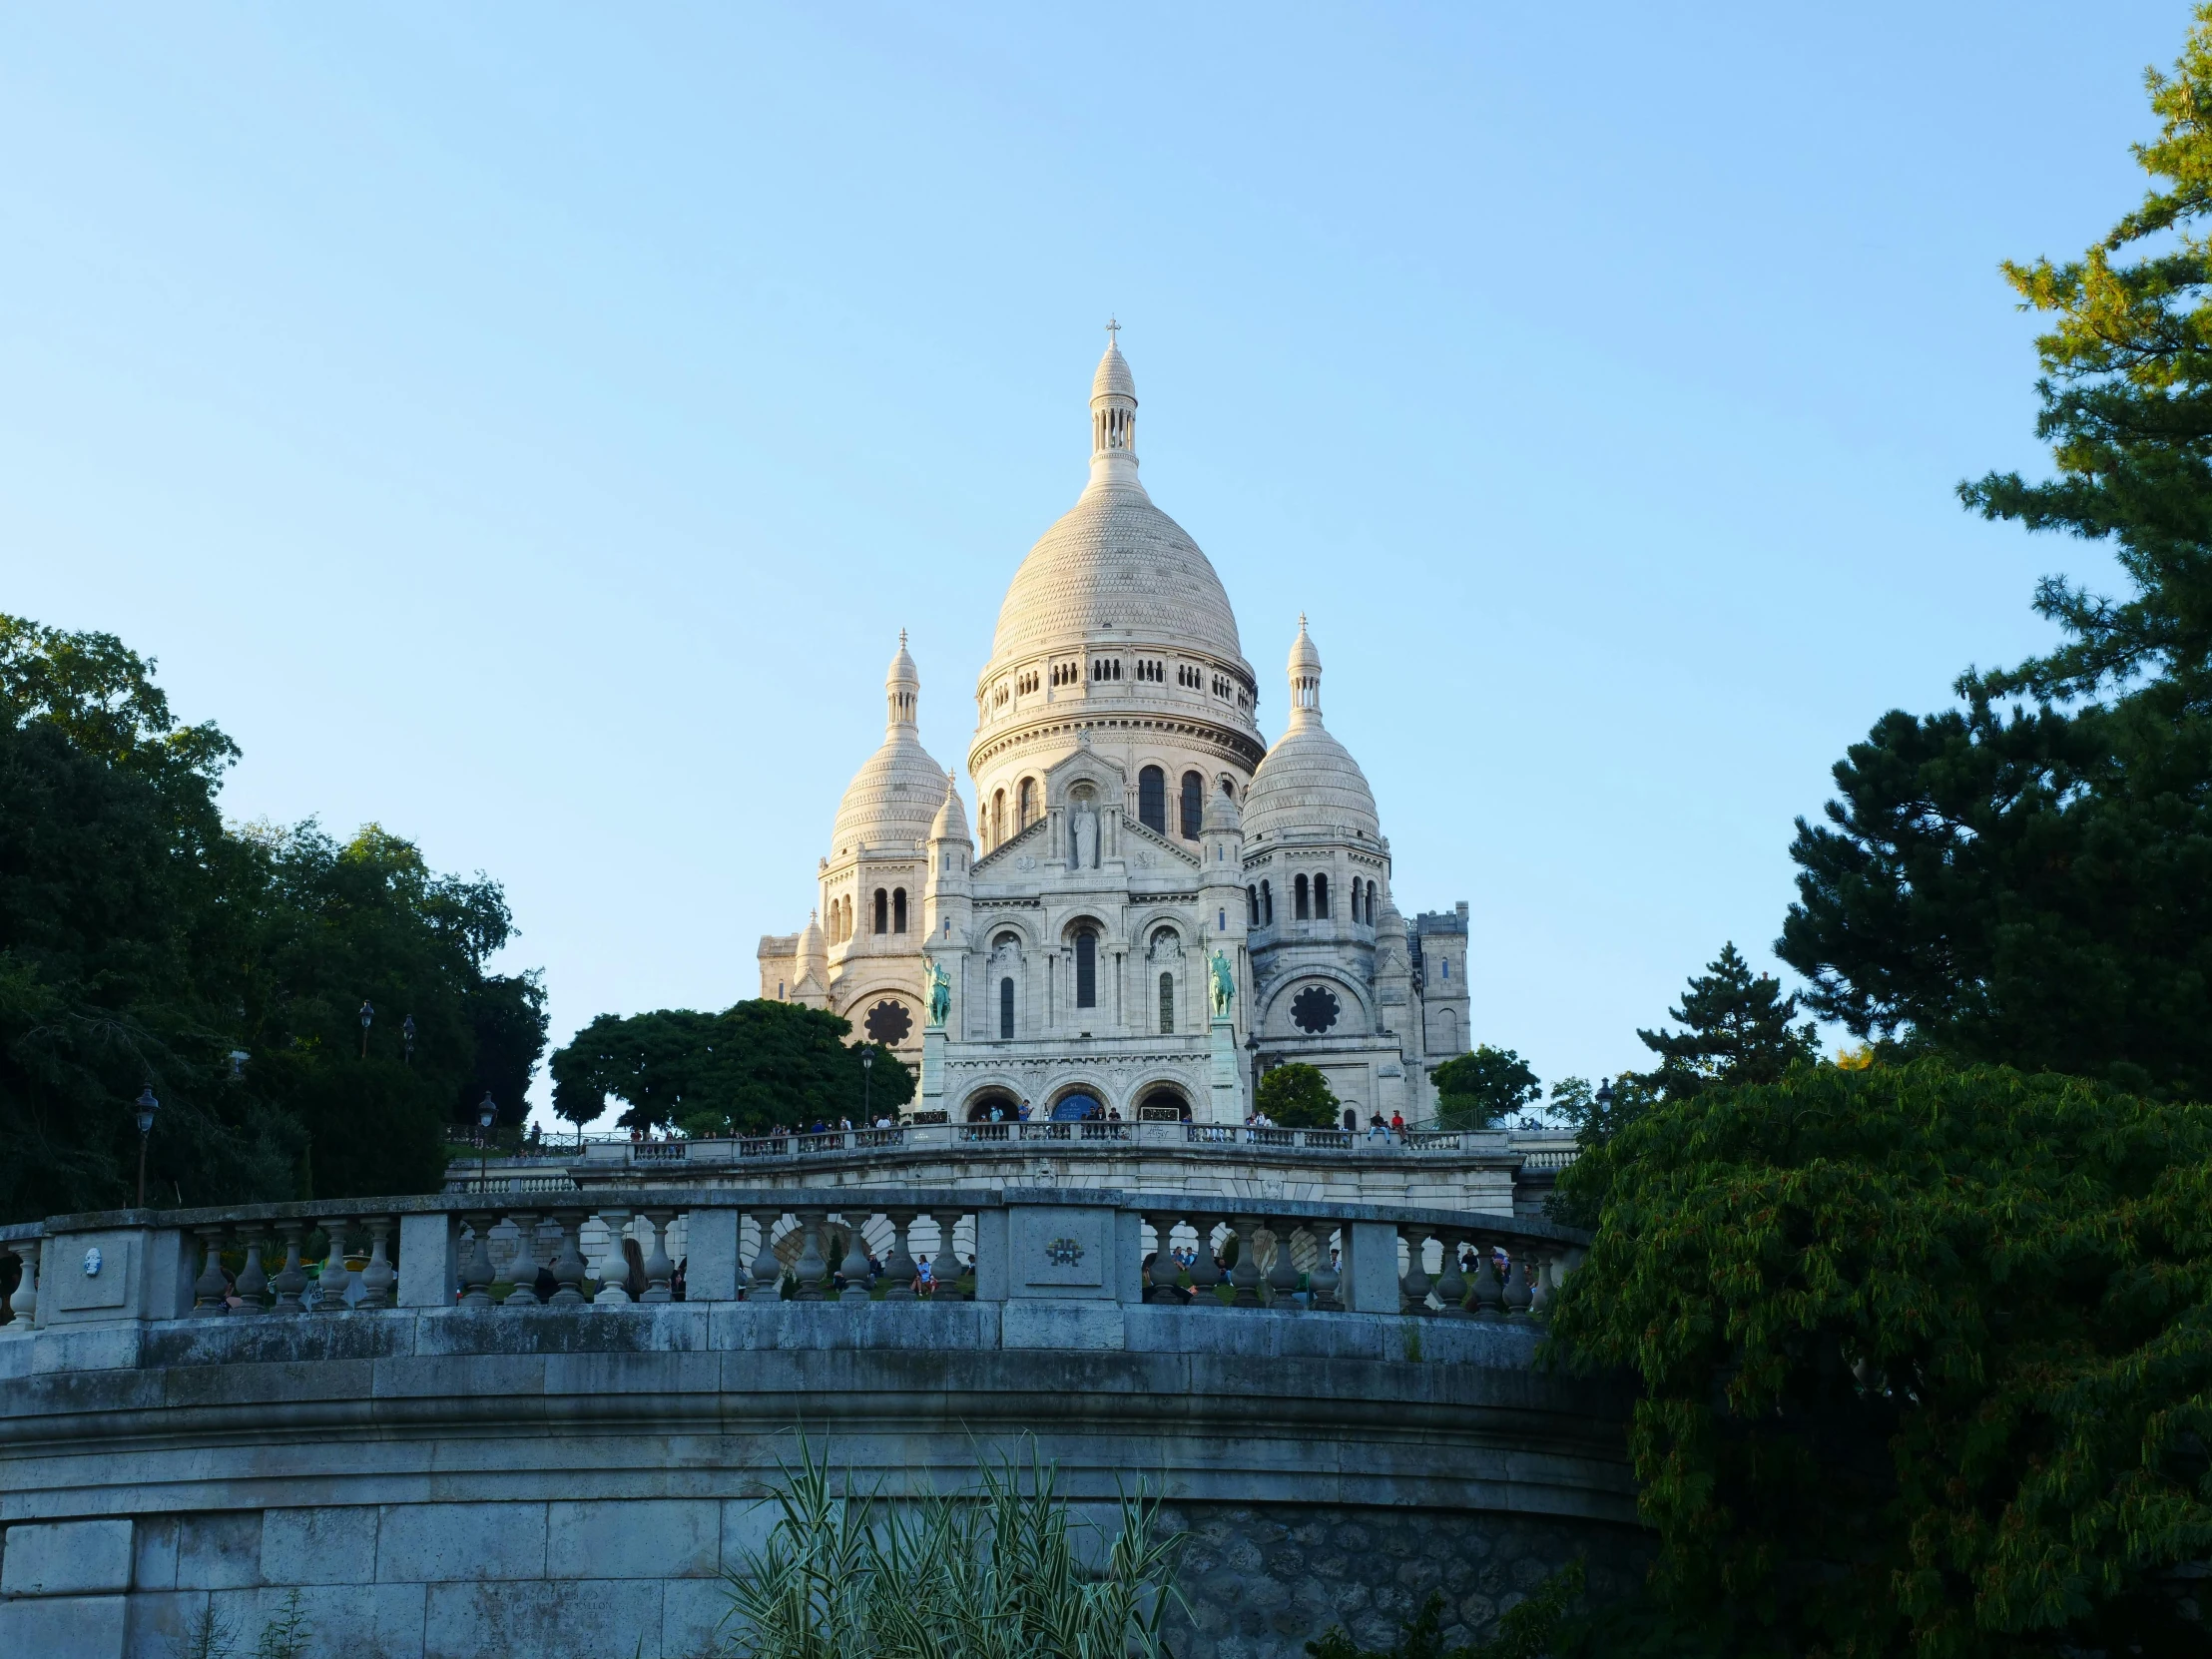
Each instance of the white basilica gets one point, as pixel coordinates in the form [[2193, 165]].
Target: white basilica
[[1154, 905]]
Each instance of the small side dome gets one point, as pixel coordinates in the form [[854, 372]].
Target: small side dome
[[894, 796], [1222, 814], [1308, 780], [951, 819]]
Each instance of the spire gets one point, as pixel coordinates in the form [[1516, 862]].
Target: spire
[[1113, 413], [1305, 670], [902, 687], [951, 821]]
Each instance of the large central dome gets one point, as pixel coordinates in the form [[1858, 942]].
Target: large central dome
[[1115, 567]]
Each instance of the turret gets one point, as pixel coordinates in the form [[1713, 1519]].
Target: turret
[[946, 907]]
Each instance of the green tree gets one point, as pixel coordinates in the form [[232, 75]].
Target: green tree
[[1478, 1089], [1926, 1357], [1736, 1030], [2033, 885], [143, 944], [1297, 1097], [738, 1072]]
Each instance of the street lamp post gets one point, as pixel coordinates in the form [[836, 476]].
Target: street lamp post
[[487, 1113], [368, 1014], [867, 1073], [147, 1107], [406, 1039]]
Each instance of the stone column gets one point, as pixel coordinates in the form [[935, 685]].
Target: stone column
[[376, 1273], [812, 1272], [767, 1271], [1165, 1271], [614, 1269], [1321, 1283], [523, 1271], [1414, 1285], [477, 1272], [1225, 1097], [898, 1267], [1451, 1284], [660, 1272], [252, 1282], [570, 1270], [23, 1300], [1281, 1272], [292, 1278], [854, 1265], [210, 1289], [944, 1270], [1205, 1271], [329, 1286]]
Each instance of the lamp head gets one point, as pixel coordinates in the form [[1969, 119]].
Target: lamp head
[[147, 1107], [487, 1110], [368, 1014]]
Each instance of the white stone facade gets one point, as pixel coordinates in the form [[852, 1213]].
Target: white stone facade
[[1131, 824]]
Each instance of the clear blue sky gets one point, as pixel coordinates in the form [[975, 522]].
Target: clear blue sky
[[529, 427]]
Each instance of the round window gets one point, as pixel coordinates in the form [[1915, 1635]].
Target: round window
[[889, 1023], [1315, 1009]]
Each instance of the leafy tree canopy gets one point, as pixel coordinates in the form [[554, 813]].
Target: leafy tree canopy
[[738, 1072], [1736, 1030], [1926, 1356], [1479, 1089], [143, 944], [1298, 1096], [2033, 885]]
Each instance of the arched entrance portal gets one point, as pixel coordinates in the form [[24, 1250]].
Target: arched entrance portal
[[1079, 1106], [1164, 1104], [990, 1101]]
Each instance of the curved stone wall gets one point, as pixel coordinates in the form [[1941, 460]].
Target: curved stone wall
[[565, 1482]]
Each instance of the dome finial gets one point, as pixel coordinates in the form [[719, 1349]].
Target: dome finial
[[1114, 411], [901, 686], [1305, 670]]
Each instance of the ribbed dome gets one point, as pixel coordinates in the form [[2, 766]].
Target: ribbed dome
[[1113, 378], [893, 799], [1115, 561], [1308, 780], [951, 823]]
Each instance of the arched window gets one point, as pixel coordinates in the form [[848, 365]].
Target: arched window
[[898, 910], [1371, 903], [1304, 903], [1167, 1004], [1321, 899], [1194, 800], [1086, 969], [997, 831], [1252, 907], [1028, 802], [1353, 912], [1152, 799], [883, 911], [1267, 904], [1006, 1007]]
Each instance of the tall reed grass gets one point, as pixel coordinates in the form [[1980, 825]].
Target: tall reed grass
[[999, 1572]]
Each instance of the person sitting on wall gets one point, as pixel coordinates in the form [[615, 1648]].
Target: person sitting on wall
[[1376, 1126], [1398, 1126]]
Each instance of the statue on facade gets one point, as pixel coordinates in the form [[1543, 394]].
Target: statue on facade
[[1086, 836], [1223, 984], [941, 993]]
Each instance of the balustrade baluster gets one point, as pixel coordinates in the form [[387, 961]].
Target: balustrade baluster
[[377, 1276], [570, 1270], [614, 1269], [1245, 1273], [1412, 1288], [477, 1272], [898, 1267], [1205, 1267], [252, 1282], [1489, 1296], [1451, 1284], [945, 1270], [522, 1271], [211, 1290], [23, 1299], [1323, 1282], [331, 1283], [854, 1265], [1283, 1270], [812, 1272], [768, 1270], [660, 1272], [1518, 1298], [291, 1278], [1540, 1287], [1165, 1268]]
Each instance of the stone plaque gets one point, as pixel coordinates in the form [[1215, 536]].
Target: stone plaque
[[92, 1274], [1061, 1248]]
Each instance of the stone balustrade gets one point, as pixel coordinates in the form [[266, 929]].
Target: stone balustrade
[[516, 1250]]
